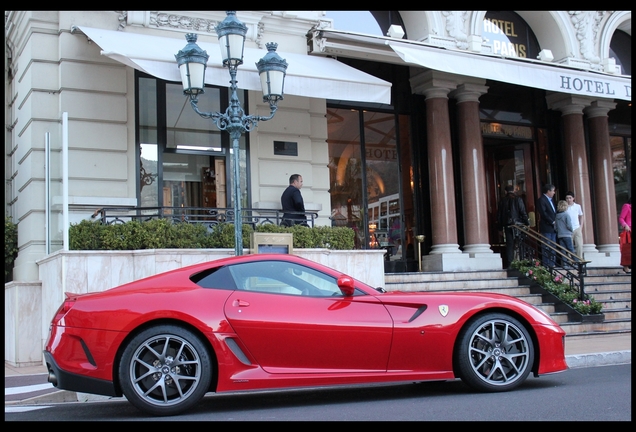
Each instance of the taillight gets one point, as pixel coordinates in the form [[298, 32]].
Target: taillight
[[64, 308]]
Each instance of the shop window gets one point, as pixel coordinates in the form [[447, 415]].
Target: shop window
[[367, 185], [184, 159]]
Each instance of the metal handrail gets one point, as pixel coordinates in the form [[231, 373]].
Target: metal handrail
[[210, 217], [532, 246]]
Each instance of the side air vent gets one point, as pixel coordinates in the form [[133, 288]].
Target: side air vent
[[418, 312], [231, 343]]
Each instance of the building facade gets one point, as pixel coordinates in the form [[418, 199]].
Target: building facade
[[413, 133]]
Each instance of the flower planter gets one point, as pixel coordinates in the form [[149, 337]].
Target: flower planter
[[559, 305]]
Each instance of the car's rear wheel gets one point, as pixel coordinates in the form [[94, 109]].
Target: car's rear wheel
[[165, 370], [495, 353]]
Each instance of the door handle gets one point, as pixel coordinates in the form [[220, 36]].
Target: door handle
[[240, 303]]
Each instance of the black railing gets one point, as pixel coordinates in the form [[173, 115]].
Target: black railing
[[533, 246], [210, 217]]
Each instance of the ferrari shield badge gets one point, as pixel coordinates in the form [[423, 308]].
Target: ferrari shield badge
[[443, 310]]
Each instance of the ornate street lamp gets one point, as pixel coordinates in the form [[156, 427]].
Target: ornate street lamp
[[192, 62]]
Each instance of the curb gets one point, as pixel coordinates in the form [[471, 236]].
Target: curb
[[599, 359], [62, 396]]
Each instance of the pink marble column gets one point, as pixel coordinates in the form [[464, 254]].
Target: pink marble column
[[473, 172], [576, 163], [440, 165], [602, 169]]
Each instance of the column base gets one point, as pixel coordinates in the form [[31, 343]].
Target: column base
[[610, 256], [462, 262], [478, 248]]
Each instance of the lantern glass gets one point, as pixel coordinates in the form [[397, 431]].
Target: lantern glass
[[272, 84], [192, 61], [232, 49], [192, 77], [231, 32], [272, 69]]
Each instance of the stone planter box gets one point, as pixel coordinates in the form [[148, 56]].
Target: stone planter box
[[29, 307]]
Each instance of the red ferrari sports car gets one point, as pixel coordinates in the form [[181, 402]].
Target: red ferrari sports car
[[273, 321]]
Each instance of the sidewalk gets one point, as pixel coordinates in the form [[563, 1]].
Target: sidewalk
[[597, 350]]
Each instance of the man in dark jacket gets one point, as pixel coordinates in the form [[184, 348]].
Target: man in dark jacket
[[547, 221], [511, 211], [292, 202]]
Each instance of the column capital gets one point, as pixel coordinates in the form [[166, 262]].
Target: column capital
[[469, 92], [433, 84], [599, 108], [567, 103]]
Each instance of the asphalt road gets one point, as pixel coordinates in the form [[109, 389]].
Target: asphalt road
[[586, 394]]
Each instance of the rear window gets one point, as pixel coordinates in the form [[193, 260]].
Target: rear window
[[218, 277]]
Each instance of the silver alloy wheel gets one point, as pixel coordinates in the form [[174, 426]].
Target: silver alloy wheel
[[499, 352], [165, 370]]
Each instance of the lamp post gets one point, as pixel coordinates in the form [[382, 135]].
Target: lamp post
[[192, 62]]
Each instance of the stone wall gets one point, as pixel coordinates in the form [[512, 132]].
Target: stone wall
[[29, 307]]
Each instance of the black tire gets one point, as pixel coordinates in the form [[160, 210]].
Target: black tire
[[165, 370], [495, 353]]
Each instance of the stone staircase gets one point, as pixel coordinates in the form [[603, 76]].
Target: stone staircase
[[609, 286]]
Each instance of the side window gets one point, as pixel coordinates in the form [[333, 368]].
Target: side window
[[279, 277], [219, 278]]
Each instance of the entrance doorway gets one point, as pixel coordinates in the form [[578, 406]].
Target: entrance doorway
[[507, 164]]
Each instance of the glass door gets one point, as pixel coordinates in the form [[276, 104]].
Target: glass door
[[507, 165]]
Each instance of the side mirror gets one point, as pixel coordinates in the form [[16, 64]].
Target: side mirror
[[346, 285]]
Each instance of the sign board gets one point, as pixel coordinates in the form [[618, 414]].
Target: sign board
[[262, 242]]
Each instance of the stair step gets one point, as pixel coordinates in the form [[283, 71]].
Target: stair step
[[445, 276], [616, 304], [548, 308], [610, 286], [458, 283], [607, 271], [559, 317], [509, 290], [533, 299], [594, 333], [608, 278], [610, 295], [611, 314], [608, 325]]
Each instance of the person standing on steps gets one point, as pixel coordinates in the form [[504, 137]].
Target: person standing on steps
[[547, 222], [511, 211], [576, 214], [625, 221]]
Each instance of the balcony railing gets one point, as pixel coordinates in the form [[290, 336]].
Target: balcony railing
[[210, 217]]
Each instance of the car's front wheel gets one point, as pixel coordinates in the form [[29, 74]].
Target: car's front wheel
[[165, 370], [495, 353]]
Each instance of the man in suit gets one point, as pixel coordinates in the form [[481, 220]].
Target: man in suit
[[511, 211], [292, 202], [547, 221]]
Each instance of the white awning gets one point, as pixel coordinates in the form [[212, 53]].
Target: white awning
[[309, 76], [547, 77]]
